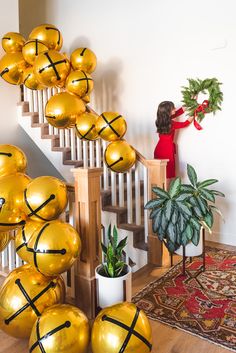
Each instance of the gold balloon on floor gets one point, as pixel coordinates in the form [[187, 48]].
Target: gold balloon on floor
[[49, 34], [32, 48], [24, 296], [12, 160], [51, 68], [86, 99], [5, 238], [80, 83], [62, 110], [64, 328], [30, 80], [54, 248], [121, 328], [119, 156], [83, 59], [22, 237], [12, 213], [85, 126], [12, 66], [45, 198], [111, 126], [13, 42]]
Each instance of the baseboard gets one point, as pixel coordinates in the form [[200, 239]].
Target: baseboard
[[217, 237]]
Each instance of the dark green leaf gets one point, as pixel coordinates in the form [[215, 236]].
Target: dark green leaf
[[154, 203], [115, 236], [183, 197], [209, 219], [207, 194], [194, 222], [184, 209], [171, 231], [175, 216], [217, 193], [201, 205], [188, 232], [169, 209], [174, 187], [122, 243], [187, 188], [160, 192], [156, 222], [104, 248], [195, 237], [192, 175], [109, 232], [154, 213], [207, 182]]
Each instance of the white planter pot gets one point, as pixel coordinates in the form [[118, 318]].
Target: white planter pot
[[111, 290], [191, 249]]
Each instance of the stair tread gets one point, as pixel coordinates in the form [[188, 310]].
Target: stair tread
[[116, 209], [61, 149], [131, 226], [39, 124], [51, 137], [71, 162]]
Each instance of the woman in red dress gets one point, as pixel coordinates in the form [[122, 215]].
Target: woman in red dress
[[166, 126]]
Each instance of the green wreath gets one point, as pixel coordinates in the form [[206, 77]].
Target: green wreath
[[211, 105]]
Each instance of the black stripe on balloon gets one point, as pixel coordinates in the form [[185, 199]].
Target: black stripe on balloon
[[50, 285], [6, 154], [8, 38], [109, 124], [34, 212], [84, 136], [36, 47], [83, 51], [4, 71], [36, 244], [26, 79], [131, 331], [59, 34], [114, 163], [38, 339], [67, 324], [24, 240], [50, 117], [21, 223], [53, 65]]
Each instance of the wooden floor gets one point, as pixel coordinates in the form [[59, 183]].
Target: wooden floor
[[166, 339]]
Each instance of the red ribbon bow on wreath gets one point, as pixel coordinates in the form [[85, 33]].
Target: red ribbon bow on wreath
[[201, 108]]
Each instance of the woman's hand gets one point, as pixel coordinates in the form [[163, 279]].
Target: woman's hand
[[190, 119]]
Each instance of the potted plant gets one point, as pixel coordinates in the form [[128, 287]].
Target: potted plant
[[179, 213], [114, 275]]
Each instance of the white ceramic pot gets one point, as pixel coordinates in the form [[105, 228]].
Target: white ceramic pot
[[111, 290], [191, 249]]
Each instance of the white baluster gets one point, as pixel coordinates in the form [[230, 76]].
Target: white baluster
[[121, 190], [19, 262], [35, 99], [31, 100], [73, 145], [40, 106], [91, 154], [85, 153], [137, 197], [45, 99], [113, 189], [67, 138], [5, 258], [129, 197], [62, 137], [11, 252], [79, 149], [25, 96], [145, 198], [105, 169], [98, 153]]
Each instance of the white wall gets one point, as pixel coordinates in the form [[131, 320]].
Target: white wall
[[146, 50], [11, 132]]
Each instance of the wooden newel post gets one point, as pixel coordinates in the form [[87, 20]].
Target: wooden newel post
[[88, 224], [157, 253]]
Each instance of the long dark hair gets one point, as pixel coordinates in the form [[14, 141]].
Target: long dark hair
[[163, 121]]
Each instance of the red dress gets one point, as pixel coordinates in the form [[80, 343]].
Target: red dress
[[165, 148]]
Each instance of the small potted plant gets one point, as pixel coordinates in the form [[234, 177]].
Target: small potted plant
[[114, 275], [179, 214]]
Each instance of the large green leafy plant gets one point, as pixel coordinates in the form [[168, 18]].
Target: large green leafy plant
[[179, 213], [114, 265]]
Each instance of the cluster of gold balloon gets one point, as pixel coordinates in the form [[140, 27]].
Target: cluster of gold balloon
[[37, 63]]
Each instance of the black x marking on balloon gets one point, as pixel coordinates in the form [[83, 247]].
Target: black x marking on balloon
[[109, 124], [8, 38], [114, 163], [6, 154], [40, 340], [30, 302], [34, 212], [4, 71], [24, 239], [55, 29], [84, 136], [83, 51], [86, 78], [53, 65], [131, 331]]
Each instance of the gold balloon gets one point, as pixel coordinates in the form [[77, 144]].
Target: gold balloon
[[24, 296], [64, 328], [12, 66], [5, 238], [32, 48], [85, 126], [49, 34], [79, 83], [22, 237], [111, 126], [45, 198], [51, 68], [83, 59], [121, 328], [54, 248], [62, 110], [30, 80], [12, 213], [12, 42], [12, 160], [86, 99], [119, 156]]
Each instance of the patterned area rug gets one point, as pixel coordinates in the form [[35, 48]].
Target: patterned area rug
[[201, 303]]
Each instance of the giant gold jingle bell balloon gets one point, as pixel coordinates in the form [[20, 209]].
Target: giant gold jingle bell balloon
[[54, 247], [121, 328], [12, 213], [51, 68], [12, 42], [83, 59], [12, 160], [30, 80], [61, 329], [12, 66], [85, 126], [22, 237], [111, 126], [119, 156], [5, 238], [32, 48], [79, 82], [45, 198], [24, 296], [62, 110], [49, 34]]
